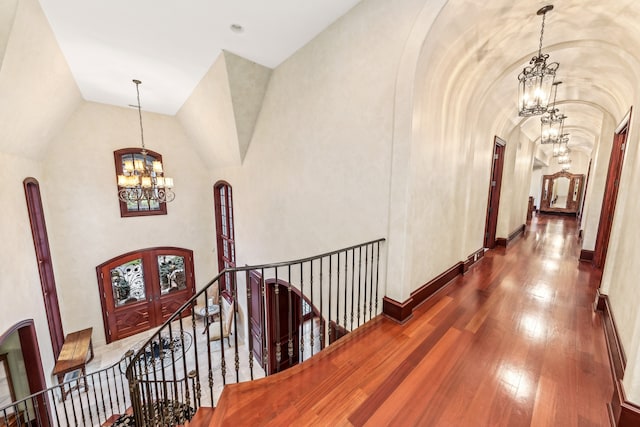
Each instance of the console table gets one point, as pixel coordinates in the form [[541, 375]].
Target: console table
[[73, 356]]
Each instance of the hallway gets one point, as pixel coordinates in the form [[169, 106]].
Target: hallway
[[514, 342]]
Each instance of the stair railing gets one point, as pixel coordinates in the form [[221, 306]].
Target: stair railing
[[263, 320], [85, 400]]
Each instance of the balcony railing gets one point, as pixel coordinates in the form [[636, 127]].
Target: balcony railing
[[89, 400], [246, 323], [249, 322]]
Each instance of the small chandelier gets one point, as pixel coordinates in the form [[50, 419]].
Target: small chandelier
[[561, 148], [536, 79], [143, 177], [552, 123]]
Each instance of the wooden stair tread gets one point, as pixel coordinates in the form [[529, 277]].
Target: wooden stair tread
[[202, 418]]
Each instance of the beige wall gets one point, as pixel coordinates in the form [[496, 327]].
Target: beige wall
[[85, 224], [20, 292]]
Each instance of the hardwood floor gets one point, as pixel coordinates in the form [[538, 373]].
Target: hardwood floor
[[514, 342]]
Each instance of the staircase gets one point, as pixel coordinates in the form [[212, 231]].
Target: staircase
[[267, 318]]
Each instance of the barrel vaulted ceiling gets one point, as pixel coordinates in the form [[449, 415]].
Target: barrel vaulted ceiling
[[471, 57]]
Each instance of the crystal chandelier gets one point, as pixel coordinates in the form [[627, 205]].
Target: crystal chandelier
[[536, 79], [143, 177], [552, 123]]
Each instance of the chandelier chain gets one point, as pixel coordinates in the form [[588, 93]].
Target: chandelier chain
[[544, 15], [137, 82]]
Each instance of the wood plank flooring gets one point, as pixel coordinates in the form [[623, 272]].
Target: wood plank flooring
[[514, 342]]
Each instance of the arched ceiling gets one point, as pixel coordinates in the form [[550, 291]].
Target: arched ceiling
[[474, 52]]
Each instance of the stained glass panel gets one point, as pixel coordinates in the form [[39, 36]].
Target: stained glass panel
[[172, 273], [127, 283]]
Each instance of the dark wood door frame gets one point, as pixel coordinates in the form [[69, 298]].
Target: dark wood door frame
[[497, 165], [45, 266], [32, 361], [610, 196]]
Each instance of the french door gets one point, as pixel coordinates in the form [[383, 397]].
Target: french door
[[140, 290]]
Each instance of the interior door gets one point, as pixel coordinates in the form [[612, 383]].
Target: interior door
[[256, 320], [284, 325], [491, 223], [142, 289], [610, 195], [174, 283]]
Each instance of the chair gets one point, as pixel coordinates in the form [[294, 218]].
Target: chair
[[214, 328]]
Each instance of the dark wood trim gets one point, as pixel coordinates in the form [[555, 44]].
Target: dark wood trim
[[616, 353], [124, 210], [45, 264], [472, 259], [400, 312], [586, 255], [501, 241], [421, 294], [622, 413]]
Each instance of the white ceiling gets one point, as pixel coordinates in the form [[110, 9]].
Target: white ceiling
[[170, 44]]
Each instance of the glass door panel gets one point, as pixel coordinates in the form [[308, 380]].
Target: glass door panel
[[127, 283], [172, 273]]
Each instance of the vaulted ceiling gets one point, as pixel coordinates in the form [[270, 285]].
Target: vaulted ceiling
[[473, 54]]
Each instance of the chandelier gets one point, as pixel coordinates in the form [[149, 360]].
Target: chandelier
[[552, 123], [143, 177], [536, 79], [561, 148]]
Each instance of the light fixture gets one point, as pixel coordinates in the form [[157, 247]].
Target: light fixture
[[143, 176], [536, 79], [551, 124]]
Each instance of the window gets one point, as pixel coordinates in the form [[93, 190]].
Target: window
[[224, 232], [143, 207], [45, 266]]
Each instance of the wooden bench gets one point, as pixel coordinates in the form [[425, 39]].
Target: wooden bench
[[73, 356]]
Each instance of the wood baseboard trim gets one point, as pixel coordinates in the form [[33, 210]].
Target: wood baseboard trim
[[586, 255], [423, 293], [501, 241], [617, 356], [622, 413], [401, 312], [472, 259]]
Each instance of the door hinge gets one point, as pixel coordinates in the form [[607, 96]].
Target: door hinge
[[493, 183], [622, 147], [496, 156]]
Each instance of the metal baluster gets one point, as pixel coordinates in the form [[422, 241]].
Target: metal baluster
[[322, 336], [359, 282], [86, 393], [346, 275], [187, 394], [353, 287], [249, 315], [371, 286], [301, 344], [208, 341], [290, 317], [278, 334], [377, 270], [115, 385], [154, 360], [102, 399], [364, 302], [196, 381], [338, 290], [263, 313], [312, 343], [73, 405], [223, 361], [53, 406], [330, 326], [234, 297]]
